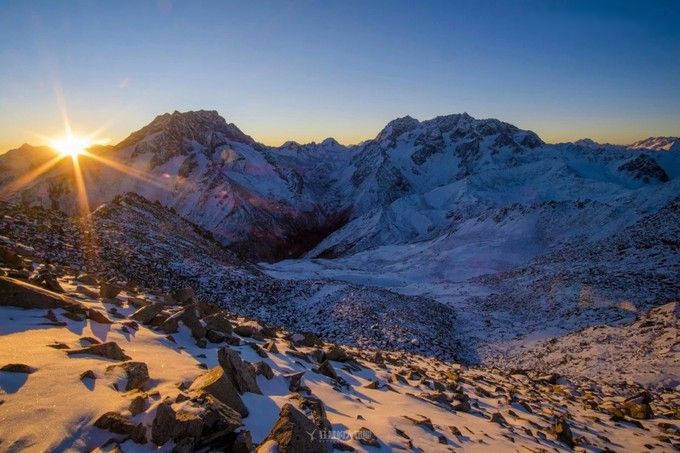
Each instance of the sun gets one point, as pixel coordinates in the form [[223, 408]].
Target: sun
[[70, 145]]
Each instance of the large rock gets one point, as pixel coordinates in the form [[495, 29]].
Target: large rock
[[118, 424], [560, 429], [241, 373], [291, 434], [108, 290], [327, 369], [219, 322], [204, 422], [136, 374], [216, 383], [16, 293], [109, 350], [169, 424], [337, 354], [189, 317], [147, 313]]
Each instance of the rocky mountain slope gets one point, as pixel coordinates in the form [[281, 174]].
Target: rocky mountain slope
[[111, 367], [510, 232], [149, 246]]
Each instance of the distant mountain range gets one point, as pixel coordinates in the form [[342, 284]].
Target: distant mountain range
[[477, 214], [274, 202]]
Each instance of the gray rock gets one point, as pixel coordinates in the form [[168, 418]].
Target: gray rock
[[216, 383], [241, 373], [147, 313], [291, 433], [109, 350], [118, 424], [136, 374]]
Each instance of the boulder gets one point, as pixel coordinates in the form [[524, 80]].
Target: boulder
[[366, 437], [241, 373], [118, 424], [560, 429], [16, 293], [639, 411], [147, 313], [315, 406], [263, 369], [170, 324], [108, 290], [327, 369], [137, 405], [337, 354], [98, 316], [18, 368], [258, 350], [214, 336], [216, 383], [109, 350], [291, 434], [294, 381], [170, 425], [218, 322], [271, 347], [136, 374], [189, 316]]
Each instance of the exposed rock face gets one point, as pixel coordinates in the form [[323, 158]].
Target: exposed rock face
[[241, 373], [108, 290], [136, 374], [169, 424], [190, 318], [218, 322], [147, 313], [291, 433], [118, 424], [109, 350], [216, 383], [18, 368], [16, 293], [206, 422], [645, 168], [562, 432]]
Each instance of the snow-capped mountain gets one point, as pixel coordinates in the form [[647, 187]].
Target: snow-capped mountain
[[441, 209], [657, 143]]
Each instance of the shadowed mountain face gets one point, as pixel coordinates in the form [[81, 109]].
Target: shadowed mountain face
[[416, 181]]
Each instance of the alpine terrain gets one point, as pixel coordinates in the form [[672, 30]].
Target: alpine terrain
[[454, 284]]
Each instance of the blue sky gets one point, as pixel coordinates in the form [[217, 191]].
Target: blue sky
[[309, 70]]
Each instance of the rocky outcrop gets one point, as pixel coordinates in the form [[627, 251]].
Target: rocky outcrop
[[240, 372], [109, 350], [216, 383], [291, 434]]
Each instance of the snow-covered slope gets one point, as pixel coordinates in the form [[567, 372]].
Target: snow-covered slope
[[149, 246], [472, 213], [130, 371]]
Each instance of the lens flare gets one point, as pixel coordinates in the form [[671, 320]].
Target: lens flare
[[70, 145]]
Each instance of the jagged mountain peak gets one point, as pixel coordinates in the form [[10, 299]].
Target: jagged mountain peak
[[657, 143], [201, 126], [396, 127], [459, 125]]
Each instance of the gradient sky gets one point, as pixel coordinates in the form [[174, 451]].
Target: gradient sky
[[308, 70]]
